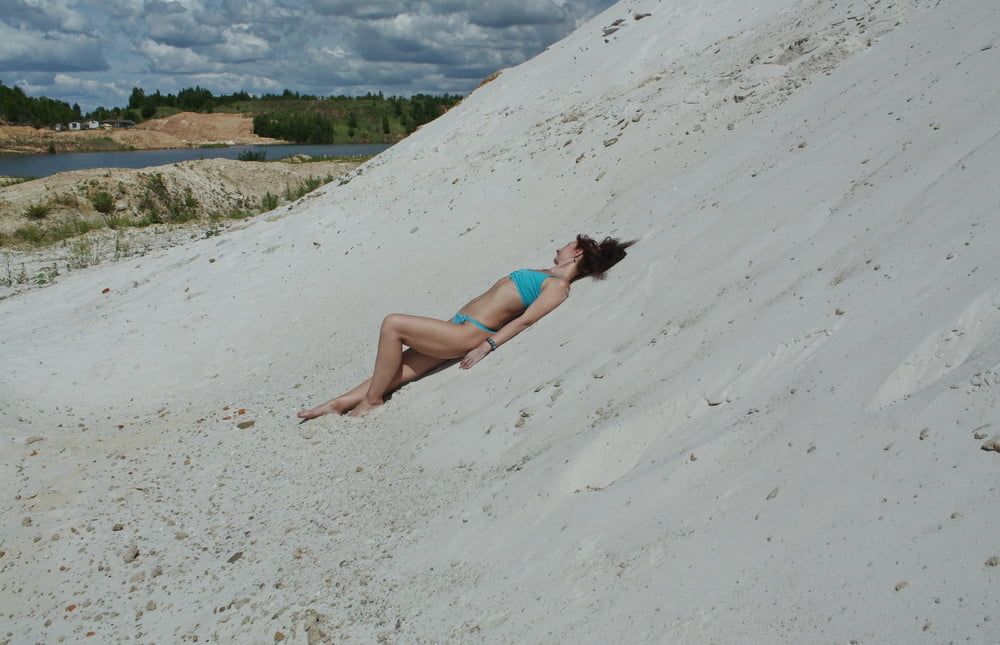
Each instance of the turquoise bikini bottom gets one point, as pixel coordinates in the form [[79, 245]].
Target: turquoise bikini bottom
[[461, 318]]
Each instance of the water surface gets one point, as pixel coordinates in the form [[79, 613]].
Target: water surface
[[45, 165]]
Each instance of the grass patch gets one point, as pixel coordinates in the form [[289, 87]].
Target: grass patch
[[318, 158], [82, 254], [118, 222], [38, 211], [100, 144], [102, 202], [160, 203], [69, 200], [252, 155], [305, 187], [269, 202], [35, 235], [10, 181]]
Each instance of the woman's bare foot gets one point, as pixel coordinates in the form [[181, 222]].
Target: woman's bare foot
[[330, 407], [363, 408]]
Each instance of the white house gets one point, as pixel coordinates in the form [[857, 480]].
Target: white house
[[74, 125], [93, 125]]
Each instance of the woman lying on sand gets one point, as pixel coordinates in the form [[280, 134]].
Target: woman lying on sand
[[509, 307]]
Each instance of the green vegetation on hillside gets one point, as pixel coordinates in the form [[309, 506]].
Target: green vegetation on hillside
[[18, 108], [302, 118], [344, 119], [306, 118]]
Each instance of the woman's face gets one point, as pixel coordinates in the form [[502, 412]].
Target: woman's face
[[567, 253]]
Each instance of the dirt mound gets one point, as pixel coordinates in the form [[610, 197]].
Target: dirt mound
[[195, 128], [219, 186], [182, 130]]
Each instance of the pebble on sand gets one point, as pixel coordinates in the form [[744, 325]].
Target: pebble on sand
[[131, 553], [993, 443]]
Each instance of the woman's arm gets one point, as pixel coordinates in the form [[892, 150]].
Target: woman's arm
[[551, 297]]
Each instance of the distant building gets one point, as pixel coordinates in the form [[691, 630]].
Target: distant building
[[116, 124], [74, 125], [93, 125], [58, 127]]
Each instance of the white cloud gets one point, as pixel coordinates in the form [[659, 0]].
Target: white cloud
[[167, 59], [29, 50], [313, 46], [46, 15], [239, 46]]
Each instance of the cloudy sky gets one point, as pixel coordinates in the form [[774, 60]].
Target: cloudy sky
[[95, 51]]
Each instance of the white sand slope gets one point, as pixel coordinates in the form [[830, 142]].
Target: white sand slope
[[764, 427]]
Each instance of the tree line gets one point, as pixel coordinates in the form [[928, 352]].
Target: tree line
[[18, 108], [344, 119], [292, 116]]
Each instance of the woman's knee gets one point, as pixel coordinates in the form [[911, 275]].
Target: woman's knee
[[391, 323]]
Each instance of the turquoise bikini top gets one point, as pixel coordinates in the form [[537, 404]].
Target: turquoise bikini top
[[529, 284]]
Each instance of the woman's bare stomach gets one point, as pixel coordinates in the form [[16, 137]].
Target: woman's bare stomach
[[497, 306]]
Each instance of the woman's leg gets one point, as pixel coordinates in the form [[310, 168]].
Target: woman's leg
[[414, 365], [429, 336]]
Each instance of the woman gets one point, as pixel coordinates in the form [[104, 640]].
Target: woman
[[509, 307]]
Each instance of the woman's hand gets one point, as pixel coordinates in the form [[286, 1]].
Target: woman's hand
[[474, 356]]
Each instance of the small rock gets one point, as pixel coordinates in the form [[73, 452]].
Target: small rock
[[131, 553], [811, 448], [234, 557], [358, 469], [278, 637], [693, 457], [31, 440], [993, 562], [156, 571], [243, 425], [150, 606], [773, 493], [993, 443], [180, 535], [924, 433], [26, 520], [903, 584], [117, 527], [838, 311], [610, 142], [949, 256]]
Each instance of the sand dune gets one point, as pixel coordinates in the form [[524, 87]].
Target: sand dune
[[766, 426]]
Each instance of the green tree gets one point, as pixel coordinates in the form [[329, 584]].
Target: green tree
[[137, 98]]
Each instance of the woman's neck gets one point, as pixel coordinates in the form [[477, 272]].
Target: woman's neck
[[567, 270]]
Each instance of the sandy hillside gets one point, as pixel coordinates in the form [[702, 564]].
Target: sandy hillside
[[772, 423], [181, 130]]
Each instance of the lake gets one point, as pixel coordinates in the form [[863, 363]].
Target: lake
[[44, 165]]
